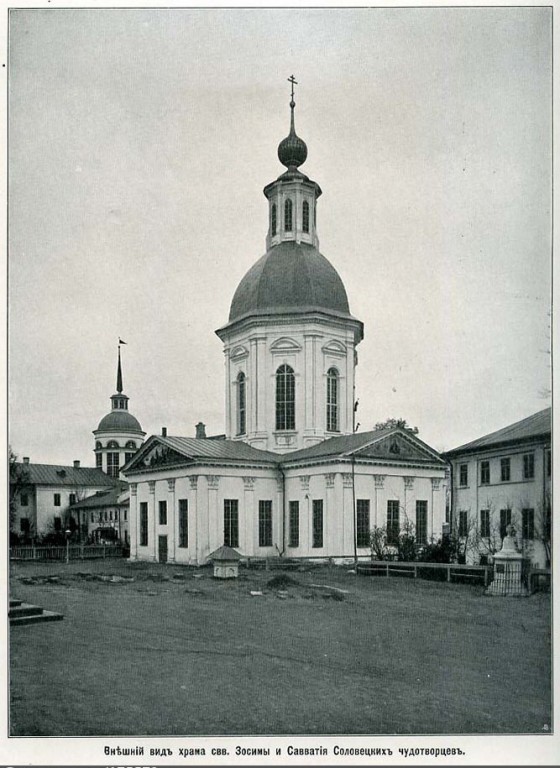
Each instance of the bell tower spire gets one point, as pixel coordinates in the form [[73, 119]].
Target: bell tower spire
[[119, 372]]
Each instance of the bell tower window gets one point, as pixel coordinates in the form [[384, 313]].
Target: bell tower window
[[285, 398], [288, 215], [332, 400], [241, 404], [305, 216], [273, 223]]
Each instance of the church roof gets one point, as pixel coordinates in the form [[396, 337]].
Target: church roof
[[537, 425], [290, 277], [119, 421], [58, 474], [395, 444]]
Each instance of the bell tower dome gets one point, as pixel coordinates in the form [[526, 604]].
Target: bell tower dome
[[290, 339]]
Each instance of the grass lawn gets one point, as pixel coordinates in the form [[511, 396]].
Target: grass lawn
[[175, 652]]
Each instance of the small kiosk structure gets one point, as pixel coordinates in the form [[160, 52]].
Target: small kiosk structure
[[226, 562]]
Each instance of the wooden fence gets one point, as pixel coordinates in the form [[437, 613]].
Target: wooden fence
[[420, 570], [72, 552]]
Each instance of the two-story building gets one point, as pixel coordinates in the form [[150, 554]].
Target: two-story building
[[502, 479]]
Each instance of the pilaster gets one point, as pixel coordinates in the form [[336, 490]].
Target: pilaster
[[194, 526], [152, 512], [134, 516], [171, 518], [247, 515]]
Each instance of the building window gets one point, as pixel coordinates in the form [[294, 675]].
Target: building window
[[422, 522], [505, 520], [463, 523], [332, 400], [112, 444], [528, 466], [99, 460], [110, 514], [484, 472], [125, 513], [548, 463], [294, 524], [131, 444], [305, 216], [162, 506], [362, 522], [463, 475], [528, 523], [56, 499], [273, 219], [485, 523], [393, 529], [113, 464], [505, 469], [127, 457], [265, 523], [92, 517], [58, 524], [285, 398], [72, 498], [24, 525], [231, 522], [288, 215], [24, 500], [241, 404], [317, 523], [183, 523], [143, 523]]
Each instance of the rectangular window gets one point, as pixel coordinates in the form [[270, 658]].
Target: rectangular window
[[24, 500], [24, 525], [485, 523], [183, 523], [231, 522], [127, 457], [393, 527], [505, 520], [362, 523], [58, 524], [56, 500], [110, 514], [463, 523], [116, 514], [113, 464], [72, 498], [317, 523], [99, 460], [528, 466], [294, 524], [92, 518], [143, 523], [265, 523], [422, 522], [548, 463], [505, 469], [125, 513], [528, 523], [463, 475], [484, 472], [162, 506]]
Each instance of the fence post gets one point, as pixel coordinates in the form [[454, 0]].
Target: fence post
[[449, 573], [103, 551], [387, 569]]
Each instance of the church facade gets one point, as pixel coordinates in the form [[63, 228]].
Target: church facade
[[291, 476]]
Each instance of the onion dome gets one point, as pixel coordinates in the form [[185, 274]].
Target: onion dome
[[292, 151]]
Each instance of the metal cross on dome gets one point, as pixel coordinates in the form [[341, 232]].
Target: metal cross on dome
[[293, 81]]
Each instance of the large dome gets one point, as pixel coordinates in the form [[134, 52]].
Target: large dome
[[119, 421], [290, 277]]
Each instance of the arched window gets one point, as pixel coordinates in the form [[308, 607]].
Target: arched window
[[131, 444], [305, 216], [273, 219], [285, 398], [112, 444], [241, 404], [332, 400], [98, 445], [288, 215]]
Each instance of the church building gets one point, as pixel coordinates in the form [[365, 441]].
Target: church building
[[291, 476]]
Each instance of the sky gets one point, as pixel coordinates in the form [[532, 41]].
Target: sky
[[140, 142]]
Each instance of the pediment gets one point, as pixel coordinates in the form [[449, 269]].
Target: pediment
[[334, 347], [238, 352], [155, 456], [398, 448], [285, 344]]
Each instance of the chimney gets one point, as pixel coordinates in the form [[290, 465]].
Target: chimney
[[76, 463], [26, 459], [200, 430], [164, 431]]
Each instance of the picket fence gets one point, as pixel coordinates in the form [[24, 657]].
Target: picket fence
[[72, 552]]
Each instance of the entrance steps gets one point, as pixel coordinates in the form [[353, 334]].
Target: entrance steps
[[24, 613]]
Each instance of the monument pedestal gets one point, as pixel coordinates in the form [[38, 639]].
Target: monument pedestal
[[508, 570]]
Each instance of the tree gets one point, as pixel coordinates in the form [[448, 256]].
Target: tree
[[19, 478], [393, 423]]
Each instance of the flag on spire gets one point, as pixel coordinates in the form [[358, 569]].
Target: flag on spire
[[121, 341]]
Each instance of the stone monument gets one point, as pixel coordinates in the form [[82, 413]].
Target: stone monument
[[508, 565]]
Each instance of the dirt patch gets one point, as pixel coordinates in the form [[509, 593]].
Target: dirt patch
[[281, 582]]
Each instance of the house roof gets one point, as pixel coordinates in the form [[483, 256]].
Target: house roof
[[108, 498], [537, 425], [58, 474]]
